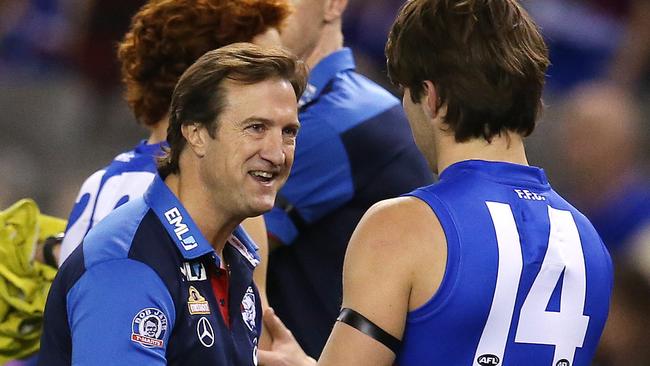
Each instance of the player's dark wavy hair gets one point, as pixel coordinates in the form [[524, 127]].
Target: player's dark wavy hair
[[486, 58], [167, 36], [199, 96]]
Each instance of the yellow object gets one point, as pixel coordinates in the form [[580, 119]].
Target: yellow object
[[24, 282]]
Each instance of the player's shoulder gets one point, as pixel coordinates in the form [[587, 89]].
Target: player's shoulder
[[372, 89], [140, 158], [365, 94], [92, 182], [350, 99], [404, 223]]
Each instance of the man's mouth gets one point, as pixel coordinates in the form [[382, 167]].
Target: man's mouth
[[263, 176]]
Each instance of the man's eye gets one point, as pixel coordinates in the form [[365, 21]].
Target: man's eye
[[290, 131], [258, 127]]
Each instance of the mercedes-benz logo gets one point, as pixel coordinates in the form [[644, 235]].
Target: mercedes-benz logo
[[205, 332]]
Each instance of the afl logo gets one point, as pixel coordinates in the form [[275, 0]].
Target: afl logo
[[488, 360], [148, 328], [563, 362]]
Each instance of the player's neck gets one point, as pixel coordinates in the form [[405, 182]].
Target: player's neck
[[215, 226], [508, 147], [158, 131], [330, 41]]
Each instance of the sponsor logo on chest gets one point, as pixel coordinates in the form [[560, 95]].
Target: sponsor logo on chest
[[197, 303], [194, 271], [205, 332]]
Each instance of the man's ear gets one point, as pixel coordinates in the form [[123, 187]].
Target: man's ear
[[430, 102], [334, 9], [197, 137]]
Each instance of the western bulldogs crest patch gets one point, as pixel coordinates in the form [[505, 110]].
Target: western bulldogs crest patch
[[148, 328], [248, 311]]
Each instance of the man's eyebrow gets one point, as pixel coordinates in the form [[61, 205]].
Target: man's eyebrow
[[256, 119]]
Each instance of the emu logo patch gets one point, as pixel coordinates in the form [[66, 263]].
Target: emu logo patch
[[174, 218]]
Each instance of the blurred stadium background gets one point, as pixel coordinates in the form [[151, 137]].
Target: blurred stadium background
[[62, 115]]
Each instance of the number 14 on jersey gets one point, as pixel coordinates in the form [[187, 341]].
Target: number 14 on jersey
[[564, 329]]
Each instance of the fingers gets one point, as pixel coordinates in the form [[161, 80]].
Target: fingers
[[275, 327]]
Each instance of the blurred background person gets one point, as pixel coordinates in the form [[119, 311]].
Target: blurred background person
[[601, 152], [602, 143], [625, 339]]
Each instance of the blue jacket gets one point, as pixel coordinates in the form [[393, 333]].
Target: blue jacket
[[139, 291]]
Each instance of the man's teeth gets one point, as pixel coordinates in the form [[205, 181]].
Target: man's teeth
[[262, 174]]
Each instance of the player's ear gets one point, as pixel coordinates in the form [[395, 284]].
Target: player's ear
[[334, 9], [197, 137], [430, 102]]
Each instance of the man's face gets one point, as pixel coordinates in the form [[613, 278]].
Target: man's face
[[251, 156], [150, 328], [303, 28]]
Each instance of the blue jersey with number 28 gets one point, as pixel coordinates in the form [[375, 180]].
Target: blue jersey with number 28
[[527, 282]]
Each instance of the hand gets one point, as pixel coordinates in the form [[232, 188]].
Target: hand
[[285, 350]]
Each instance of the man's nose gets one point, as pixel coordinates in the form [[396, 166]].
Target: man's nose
[[273, 148]]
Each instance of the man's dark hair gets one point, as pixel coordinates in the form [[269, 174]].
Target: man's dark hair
[[152, 319], [199, 96], [486, 59]]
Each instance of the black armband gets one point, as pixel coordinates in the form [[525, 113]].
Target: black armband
[[365, 326]]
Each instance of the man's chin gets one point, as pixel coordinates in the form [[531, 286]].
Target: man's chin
[[261, 207]]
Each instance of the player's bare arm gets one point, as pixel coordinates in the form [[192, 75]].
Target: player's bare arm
[[395, 245]]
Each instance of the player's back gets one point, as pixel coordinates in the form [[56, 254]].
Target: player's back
[[527, 282], [125, 178]]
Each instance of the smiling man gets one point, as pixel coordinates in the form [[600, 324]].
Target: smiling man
[[177, 257]]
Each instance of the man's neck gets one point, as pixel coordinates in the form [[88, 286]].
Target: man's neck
[[158, 132], [215, 226], [330, 41], [507, 147]]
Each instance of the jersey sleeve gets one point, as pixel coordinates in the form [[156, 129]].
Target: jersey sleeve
[[120, 313], [80, 218]]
